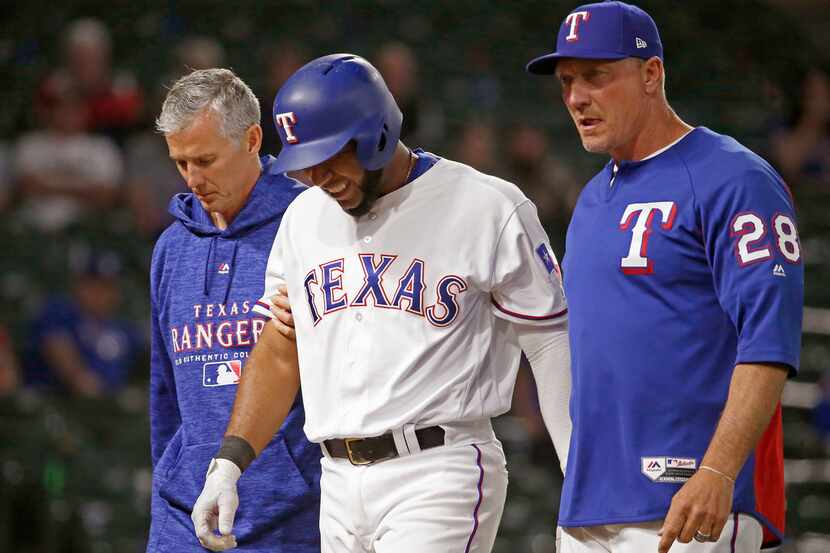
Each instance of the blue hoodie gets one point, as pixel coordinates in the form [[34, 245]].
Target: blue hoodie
[[203, 285]]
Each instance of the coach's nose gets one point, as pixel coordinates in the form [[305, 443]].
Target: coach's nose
[[576, 97], [193, 177]]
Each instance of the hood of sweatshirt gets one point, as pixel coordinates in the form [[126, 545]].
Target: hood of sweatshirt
[[257, 212]]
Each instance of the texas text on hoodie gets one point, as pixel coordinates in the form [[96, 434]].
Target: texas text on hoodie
[[202, 282]]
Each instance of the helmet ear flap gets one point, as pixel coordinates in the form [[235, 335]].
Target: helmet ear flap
[[372, 142], [382, 141]]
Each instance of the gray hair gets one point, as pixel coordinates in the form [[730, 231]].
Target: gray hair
[[219, 90]]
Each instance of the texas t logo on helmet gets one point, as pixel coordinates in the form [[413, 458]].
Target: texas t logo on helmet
[[287, 121]]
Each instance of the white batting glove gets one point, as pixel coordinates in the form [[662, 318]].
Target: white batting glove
[[217, 506]]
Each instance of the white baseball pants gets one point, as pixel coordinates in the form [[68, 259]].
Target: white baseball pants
[[742, 534], [447, 499]]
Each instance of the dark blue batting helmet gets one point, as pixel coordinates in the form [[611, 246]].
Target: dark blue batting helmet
[[330, 101]]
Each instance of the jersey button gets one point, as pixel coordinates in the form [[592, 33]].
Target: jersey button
[[373, 216], [367, 239], [359, 317]]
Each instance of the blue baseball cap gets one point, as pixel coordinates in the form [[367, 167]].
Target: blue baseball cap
[[605, 30]]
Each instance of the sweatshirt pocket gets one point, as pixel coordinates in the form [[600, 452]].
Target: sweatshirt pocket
[[186, 478], [271, 491], [276, 502]]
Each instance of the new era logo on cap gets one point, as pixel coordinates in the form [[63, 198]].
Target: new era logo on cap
[[604, 30]]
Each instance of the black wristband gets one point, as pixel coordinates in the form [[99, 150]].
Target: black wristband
[[236, 450]]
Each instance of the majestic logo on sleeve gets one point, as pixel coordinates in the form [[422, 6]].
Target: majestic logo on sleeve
[[287, 121], [573, 20], [325, 294], [642, 217]]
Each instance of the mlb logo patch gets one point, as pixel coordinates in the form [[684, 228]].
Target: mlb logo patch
[[223, 373], [224, 269], [680, 463], [668, 469]]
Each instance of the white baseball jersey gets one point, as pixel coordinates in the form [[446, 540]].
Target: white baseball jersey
[[403, 315]]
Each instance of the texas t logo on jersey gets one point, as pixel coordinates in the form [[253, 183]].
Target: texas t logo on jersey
[[287, 121], [223, 373], [637, 262]]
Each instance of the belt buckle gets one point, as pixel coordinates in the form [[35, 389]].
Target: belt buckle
[[357, 461]]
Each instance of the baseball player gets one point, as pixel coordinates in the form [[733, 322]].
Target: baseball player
[[206, 267], [685, 282], [415, 282]]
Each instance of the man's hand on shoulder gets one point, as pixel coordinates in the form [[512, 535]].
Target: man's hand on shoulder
[[281, 309]]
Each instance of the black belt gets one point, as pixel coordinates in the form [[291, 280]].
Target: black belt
[[365, 451]]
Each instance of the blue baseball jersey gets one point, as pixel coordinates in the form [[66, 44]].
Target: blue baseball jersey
[[203, 329], [677, 267]]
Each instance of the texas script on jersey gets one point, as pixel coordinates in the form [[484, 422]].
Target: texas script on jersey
[[327, 281]]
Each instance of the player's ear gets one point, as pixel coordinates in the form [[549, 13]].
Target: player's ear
[[253, 139], [651, 72]]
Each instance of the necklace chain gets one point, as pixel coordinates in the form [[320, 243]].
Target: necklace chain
[[412, 158]]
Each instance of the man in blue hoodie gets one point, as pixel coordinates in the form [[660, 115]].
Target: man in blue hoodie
[[206, 268]]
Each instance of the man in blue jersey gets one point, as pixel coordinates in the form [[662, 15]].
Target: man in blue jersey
[[684, 278], [206, 268]]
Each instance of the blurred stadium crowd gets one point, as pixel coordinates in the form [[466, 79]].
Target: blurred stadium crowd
[[85, 181]]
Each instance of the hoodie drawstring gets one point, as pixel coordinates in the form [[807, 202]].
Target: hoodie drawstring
[[207, 266], [231, 271]]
